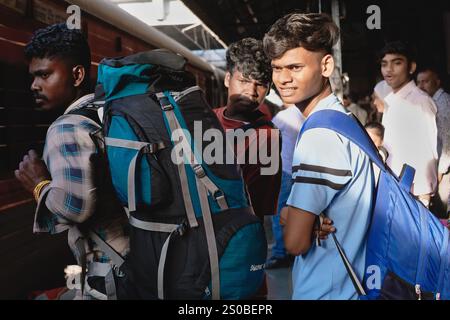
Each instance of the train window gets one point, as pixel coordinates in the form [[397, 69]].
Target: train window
[[22, 125], [17, 5], [48, 13]]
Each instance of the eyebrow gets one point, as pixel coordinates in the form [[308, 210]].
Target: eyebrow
[[288, 66], [393, 60], [40, 72]]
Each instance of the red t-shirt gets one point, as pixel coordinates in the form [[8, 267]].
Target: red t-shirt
[[263, 189]]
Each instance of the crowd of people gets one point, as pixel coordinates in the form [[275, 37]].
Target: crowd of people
[[321, 173]]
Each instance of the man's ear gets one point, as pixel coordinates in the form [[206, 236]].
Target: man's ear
[[327, 65], [79, 74], [412, 67], [226, 81]]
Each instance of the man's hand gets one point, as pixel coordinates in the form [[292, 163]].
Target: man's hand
[[325, 230], [32, 170]]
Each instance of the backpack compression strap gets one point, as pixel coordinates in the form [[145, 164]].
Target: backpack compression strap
[[77, 240], [204, 185]]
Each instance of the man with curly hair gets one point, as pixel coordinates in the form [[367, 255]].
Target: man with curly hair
[[248, 80], [331, 175], [72, 194]]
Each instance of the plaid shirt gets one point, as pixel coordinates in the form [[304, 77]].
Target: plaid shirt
[[71, 198], [442, 100]]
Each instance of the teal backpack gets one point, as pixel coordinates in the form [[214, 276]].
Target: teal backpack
[[193, 231]]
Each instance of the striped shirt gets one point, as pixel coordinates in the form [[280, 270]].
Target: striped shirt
[[331, 175]]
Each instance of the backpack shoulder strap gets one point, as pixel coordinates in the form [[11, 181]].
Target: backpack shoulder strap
[[348, 127], [88, 111]]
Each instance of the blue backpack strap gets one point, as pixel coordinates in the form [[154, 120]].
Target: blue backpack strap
[[346, 126]]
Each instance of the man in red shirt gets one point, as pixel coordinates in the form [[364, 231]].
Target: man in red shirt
[[248, 80]]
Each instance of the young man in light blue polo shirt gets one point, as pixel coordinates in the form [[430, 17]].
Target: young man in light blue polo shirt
[[331, 175]]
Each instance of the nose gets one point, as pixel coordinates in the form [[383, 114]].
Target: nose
[[254, 90], [35, 85], [389, 68], [251, 90], [284, 76]]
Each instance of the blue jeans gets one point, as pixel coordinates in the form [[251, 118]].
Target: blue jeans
[[278, 250]]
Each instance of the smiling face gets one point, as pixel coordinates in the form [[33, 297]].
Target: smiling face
[[396, 70], [55, 84], [300, 74]]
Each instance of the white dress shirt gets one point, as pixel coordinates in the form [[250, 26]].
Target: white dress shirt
[[289, 121], [411, 135]]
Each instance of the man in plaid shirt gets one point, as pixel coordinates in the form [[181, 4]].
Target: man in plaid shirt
[[68, 193]]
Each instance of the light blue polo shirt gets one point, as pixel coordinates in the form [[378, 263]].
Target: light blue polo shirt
[[331, 175]]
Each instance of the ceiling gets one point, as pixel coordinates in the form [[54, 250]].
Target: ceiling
[[419, 22]]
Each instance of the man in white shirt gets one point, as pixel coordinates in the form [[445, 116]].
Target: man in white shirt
[[410, 121], [429, 81], [289, 122]]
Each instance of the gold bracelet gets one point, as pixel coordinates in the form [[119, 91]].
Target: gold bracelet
[[37, 190]]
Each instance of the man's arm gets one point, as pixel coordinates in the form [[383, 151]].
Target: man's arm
[[69, 150], [263, 178], [299, 231], [71, 195], [321, 169]]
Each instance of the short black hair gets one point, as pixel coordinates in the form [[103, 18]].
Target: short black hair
[[59, 41], [313, 31], [398, 47], [432, 69], [247, 56], [378, 127]]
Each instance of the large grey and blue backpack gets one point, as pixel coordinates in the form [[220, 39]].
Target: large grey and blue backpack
[[193, 232]]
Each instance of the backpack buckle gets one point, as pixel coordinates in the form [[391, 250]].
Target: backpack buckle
[[199, 172], [218, 195], [167, 107], [119, 273], [154, 147], [164, 102], [181, 229]]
